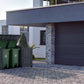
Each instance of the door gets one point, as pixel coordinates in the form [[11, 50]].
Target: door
[[69, 43]]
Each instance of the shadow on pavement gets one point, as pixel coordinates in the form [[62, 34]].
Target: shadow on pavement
[[36, 72]]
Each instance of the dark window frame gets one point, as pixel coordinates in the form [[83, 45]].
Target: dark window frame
[[42, 38]]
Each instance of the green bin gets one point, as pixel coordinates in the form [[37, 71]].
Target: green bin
[[15, 58], [3, 44], [12, 44], [5, 58]]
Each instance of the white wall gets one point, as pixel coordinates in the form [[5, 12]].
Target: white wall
[[14, 30], [34, 38], [37, 3], [31, 35], [2, 22]]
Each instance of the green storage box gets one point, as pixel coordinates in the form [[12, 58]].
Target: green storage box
[[15, 58], [12, 44], [5, 58]]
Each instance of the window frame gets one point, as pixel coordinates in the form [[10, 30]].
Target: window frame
[[41, 43]]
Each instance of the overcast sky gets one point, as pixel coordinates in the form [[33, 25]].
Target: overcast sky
[[6, 5]]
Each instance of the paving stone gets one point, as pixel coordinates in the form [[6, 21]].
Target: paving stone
[[42, 73]]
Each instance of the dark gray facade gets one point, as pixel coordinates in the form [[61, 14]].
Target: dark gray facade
[[52, 14]]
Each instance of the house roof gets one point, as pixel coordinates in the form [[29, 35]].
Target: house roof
[[43, 15]]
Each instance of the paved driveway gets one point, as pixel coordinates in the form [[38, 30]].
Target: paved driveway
[[42, 73]]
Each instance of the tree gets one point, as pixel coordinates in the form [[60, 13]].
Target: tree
[[23, 41]]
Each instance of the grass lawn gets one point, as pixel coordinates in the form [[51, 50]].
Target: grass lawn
[[39, 59]]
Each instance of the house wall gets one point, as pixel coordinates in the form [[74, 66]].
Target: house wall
[[50, 43], [50, 14], [12, 30], [74, 13], [5, 30], [34, 38], [2, 22], [37, 3]]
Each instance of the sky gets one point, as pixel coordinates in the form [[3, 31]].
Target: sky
[[7, 5]]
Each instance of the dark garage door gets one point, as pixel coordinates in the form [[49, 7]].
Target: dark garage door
[[69, 43]]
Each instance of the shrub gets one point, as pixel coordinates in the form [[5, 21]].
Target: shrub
[[23, 41]]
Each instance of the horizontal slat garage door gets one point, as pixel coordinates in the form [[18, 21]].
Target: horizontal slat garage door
[[69, 43]]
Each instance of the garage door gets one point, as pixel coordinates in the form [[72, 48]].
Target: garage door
[[69, 43]]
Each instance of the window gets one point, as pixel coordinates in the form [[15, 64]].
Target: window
[[23, 28], [42, 37], [62, 1], [75, 0], [53, 2]]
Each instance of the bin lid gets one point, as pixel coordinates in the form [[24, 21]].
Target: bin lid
[[3, 44], [12, 44]]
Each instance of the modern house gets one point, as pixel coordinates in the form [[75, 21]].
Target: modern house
[[64, 30]]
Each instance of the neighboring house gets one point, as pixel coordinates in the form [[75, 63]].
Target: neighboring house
[[2, 22], [64, 30], [11, 30]]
